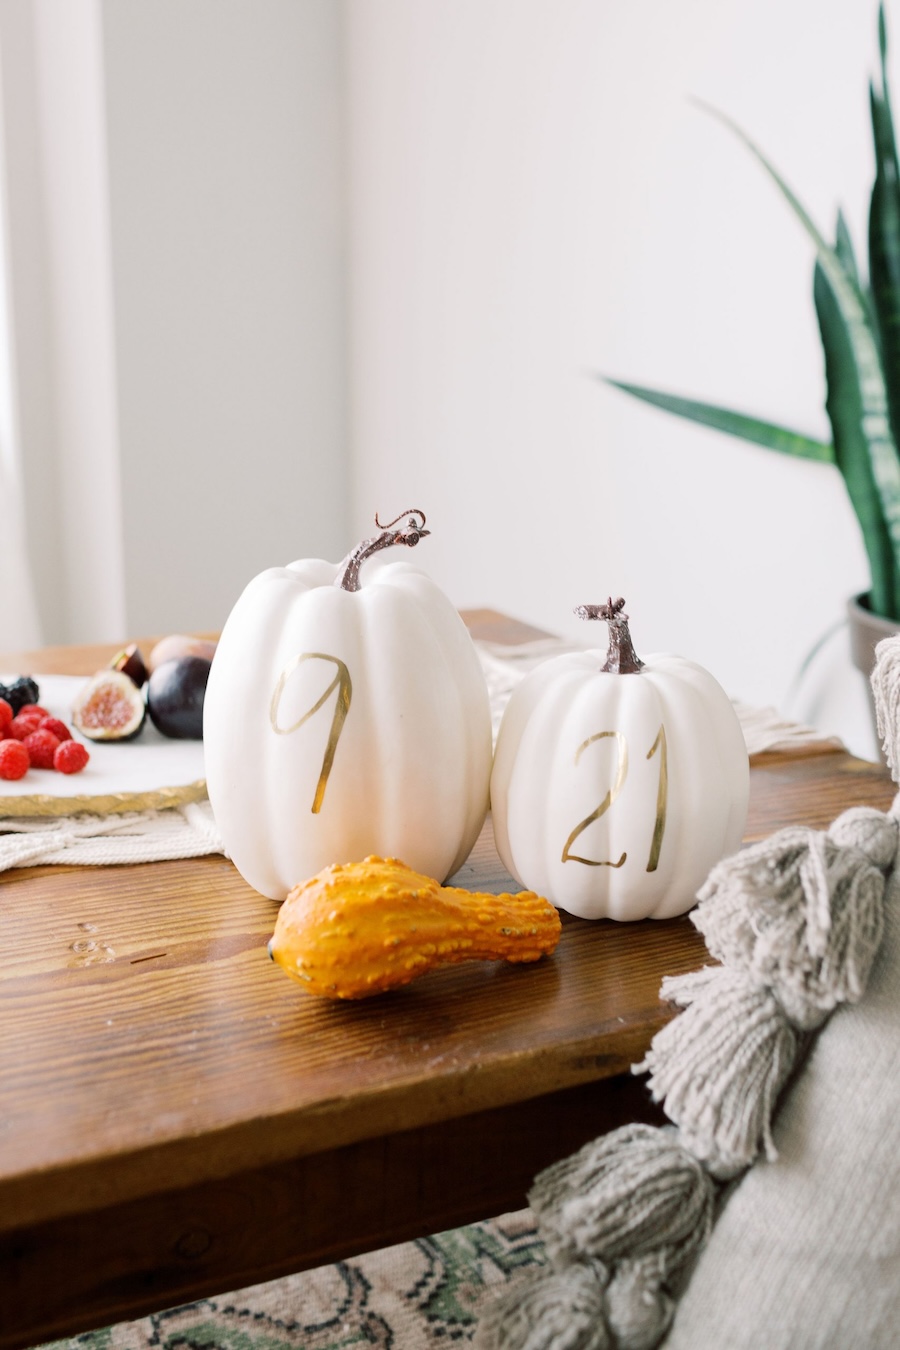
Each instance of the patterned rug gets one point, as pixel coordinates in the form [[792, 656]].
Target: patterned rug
[[415, 1296]]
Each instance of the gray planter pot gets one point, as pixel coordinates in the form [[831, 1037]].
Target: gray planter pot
[[866, 631]]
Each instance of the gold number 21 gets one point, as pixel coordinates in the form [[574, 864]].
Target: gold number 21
[[662, 794], [344, 687]]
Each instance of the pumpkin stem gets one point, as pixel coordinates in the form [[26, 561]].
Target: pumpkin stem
[[410, 534], [621, 658]]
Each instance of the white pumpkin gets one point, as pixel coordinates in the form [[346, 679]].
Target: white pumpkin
[[618, 783], [346, 715]]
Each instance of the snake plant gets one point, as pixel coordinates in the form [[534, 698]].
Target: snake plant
[[859, 323]]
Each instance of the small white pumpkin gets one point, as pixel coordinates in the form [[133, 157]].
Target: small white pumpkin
[[617, 783], [346, 715]]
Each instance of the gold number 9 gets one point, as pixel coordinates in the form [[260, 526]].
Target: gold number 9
[[343, 685]]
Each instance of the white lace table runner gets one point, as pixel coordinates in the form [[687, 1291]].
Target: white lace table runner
[[189, 831]]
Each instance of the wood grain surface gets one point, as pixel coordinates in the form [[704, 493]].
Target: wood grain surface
[[177, 1117]]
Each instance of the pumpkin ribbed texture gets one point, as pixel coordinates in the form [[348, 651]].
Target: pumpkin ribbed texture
[[357, 929]]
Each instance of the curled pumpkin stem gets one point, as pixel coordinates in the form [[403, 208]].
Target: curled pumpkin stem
[[411, 512], [621, 658], [412, 532]]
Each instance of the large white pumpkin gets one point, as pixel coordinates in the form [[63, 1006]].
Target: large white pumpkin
[[346, 715], [618, 783]]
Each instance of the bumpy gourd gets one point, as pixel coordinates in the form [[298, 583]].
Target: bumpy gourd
[[346, 714], [361, 928], [618, 783]]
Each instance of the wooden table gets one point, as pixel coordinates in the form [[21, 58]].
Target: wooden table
[[180, 1119]]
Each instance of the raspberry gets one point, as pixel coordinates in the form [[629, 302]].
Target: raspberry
[[14, 759], [70, 757], [6, 716], [41, 746], [59, 729], [34, 710], [20, 726]]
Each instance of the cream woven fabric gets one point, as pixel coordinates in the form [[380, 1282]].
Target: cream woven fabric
[[763, 728]]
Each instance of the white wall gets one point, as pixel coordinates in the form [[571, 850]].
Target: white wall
[[535, 198], [224, 126], [176, 221]]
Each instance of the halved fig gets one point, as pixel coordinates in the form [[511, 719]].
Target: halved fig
[[131, 663], [110, 707]]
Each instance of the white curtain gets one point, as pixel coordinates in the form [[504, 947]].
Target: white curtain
[[59, 463], [19, 624]]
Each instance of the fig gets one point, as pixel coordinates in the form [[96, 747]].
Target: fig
[[176, 646], [175, 693], [131, 663], [110, 707]]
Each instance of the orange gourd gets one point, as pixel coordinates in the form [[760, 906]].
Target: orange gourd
[[357, 929]]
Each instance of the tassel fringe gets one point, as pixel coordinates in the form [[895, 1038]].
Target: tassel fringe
[[801, 913], [720, 1066], [555, 1310], [629, 1194]]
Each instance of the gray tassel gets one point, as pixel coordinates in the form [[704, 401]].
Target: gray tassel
[[622, 1220], [796, 921], [638, 1307], [633, 1192], [720, 1066], [555, 1310], [801, 913]]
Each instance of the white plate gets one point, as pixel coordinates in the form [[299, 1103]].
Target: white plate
[[147, 773]]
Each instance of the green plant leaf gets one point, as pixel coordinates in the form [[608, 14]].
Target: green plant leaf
[[732, 423], [882, 48], [884, 241], [843, 247], [844, 406], [851, 303]]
